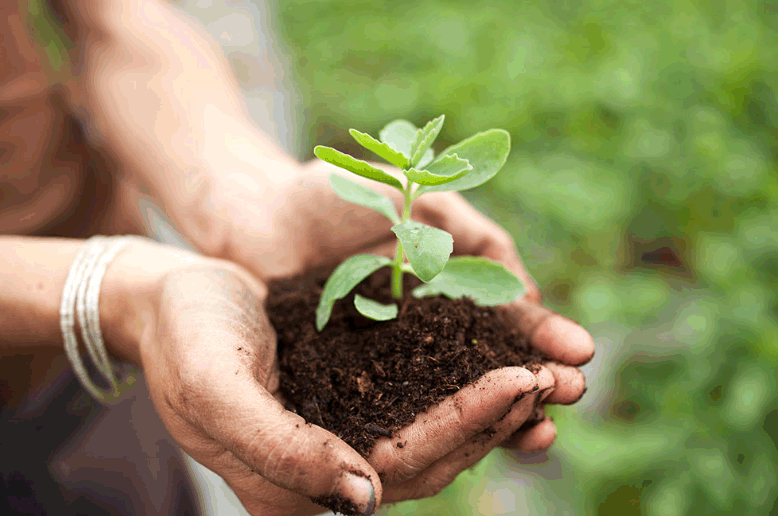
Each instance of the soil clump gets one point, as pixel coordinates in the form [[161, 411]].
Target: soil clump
[[362, 379]]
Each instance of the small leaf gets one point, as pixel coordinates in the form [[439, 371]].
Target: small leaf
[[425, 138], [375, 310], [399, 134], [343, 279], [363, 196], [443, 170], [486, 282], [426, 178], [486, 152], [382, 149], [427, 248], [357, 166]]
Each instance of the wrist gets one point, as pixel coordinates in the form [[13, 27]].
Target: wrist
[[128, 294]]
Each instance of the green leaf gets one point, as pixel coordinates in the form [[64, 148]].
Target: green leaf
[[442, 171], [427, 248], [486, 152], [343, 279], [425, 138], [363, 196], [375, 310], [486, 282], [399, 135], [357, 166], [382, 149]]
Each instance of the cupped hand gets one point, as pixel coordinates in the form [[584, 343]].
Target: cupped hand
[[210, 361]]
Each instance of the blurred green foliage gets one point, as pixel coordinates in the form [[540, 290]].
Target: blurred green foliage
[[642, 192]]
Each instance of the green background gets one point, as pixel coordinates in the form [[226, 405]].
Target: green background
[[642, 193]]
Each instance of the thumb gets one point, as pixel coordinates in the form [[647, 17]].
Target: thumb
[[266, 442]]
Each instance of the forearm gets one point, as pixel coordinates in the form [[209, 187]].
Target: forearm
[[158, 96]]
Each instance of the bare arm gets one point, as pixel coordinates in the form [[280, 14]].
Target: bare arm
[[157, 95]]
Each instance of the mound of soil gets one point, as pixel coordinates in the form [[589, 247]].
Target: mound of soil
[[362, 379]]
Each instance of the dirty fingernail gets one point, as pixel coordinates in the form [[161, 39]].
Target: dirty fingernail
[[361, 492]]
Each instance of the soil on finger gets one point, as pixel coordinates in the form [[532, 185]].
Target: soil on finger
[[362, 379]]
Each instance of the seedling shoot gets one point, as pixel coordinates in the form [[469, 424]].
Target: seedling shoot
[[462, 166]]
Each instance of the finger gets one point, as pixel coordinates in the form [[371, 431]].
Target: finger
[[539, 437], [214, 344], [570, 384], [474, 233], [448, 425], [557, 337], [442, 472]]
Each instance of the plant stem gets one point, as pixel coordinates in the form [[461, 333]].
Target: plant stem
[[397, 273], [408, 200]]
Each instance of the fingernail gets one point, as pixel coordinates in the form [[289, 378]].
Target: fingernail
[[362, 489]]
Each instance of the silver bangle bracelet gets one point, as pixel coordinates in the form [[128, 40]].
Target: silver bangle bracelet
[[81, 297]]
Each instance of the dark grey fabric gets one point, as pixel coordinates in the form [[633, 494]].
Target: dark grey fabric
[[62, 453]]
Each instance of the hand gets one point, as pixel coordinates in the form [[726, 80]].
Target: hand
[[306, 225], [209, 359], [209, 356], [208, 353]]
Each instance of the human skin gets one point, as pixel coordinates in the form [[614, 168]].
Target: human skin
[[236, 196]]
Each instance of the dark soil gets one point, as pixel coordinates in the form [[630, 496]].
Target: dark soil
[[362, 379], [337, 504]]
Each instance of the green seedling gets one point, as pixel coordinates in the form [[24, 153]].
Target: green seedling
[[465, 165]]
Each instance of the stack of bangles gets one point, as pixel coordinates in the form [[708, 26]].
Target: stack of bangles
[[81, 298]]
